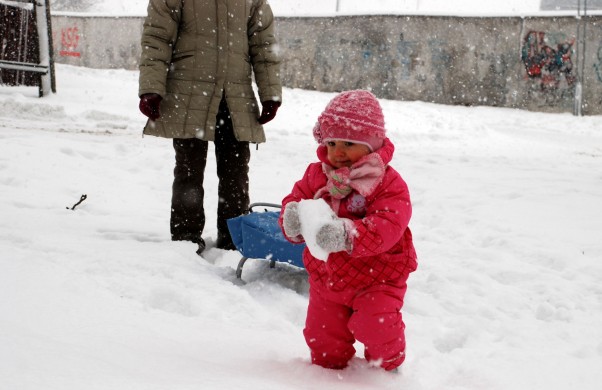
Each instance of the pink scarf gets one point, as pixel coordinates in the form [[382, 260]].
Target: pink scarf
[[363, 176]]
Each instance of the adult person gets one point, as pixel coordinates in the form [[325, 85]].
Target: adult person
[[196, 70]]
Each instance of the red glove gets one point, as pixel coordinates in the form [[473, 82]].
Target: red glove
[[149, 105], [268, 111]]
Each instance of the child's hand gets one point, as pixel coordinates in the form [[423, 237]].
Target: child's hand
[[332, 237], [290, 220]]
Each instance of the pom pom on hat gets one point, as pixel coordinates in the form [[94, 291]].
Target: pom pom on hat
[[354, 116]]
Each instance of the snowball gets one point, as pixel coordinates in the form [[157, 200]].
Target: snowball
[[313, 214]]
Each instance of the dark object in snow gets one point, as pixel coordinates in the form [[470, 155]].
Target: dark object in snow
[[257, 235], [83, 197], [201, 248]]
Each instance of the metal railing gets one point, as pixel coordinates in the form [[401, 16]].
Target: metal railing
[[44, 67]]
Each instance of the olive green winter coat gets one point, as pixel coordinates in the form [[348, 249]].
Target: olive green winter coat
[[193, 51]]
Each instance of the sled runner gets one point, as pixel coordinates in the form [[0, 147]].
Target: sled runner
[[257, 235]]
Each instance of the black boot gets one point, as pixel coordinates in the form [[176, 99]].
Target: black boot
[[201, 247], [224, 241]]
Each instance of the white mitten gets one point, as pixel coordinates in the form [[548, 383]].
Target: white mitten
[[290, 220], [332, 237]]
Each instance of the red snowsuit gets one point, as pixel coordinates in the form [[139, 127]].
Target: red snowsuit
[[358, 295]]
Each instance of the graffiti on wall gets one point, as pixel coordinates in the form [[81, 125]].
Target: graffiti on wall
[[598, 65], [547, 59], [407, 56], [69, 42], [368, 56]]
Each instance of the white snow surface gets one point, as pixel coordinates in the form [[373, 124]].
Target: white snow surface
[[507, 223]]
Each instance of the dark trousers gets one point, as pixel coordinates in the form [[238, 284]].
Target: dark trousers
[[232, 159]]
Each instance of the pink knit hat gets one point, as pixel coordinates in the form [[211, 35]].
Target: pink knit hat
[[354, 116]]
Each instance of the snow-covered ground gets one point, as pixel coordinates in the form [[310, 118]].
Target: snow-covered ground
[[507, 224]]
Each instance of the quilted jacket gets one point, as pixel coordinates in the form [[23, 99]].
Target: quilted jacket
[[382, 249], [194, 51]]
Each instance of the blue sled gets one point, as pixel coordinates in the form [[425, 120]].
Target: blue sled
[[257, 235]]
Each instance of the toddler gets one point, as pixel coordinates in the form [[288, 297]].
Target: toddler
[[358, 292]]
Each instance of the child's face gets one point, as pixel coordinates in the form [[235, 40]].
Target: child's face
[[345, 153]]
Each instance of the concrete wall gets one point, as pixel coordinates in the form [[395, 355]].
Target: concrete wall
[[97, 42], [501, 61]]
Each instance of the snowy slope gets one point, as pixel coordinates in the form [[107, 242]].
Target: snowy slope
[[507, 223]]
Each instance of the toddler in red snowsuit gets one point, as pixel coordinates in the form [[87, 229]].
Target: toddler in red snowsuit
[[358, 292]]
